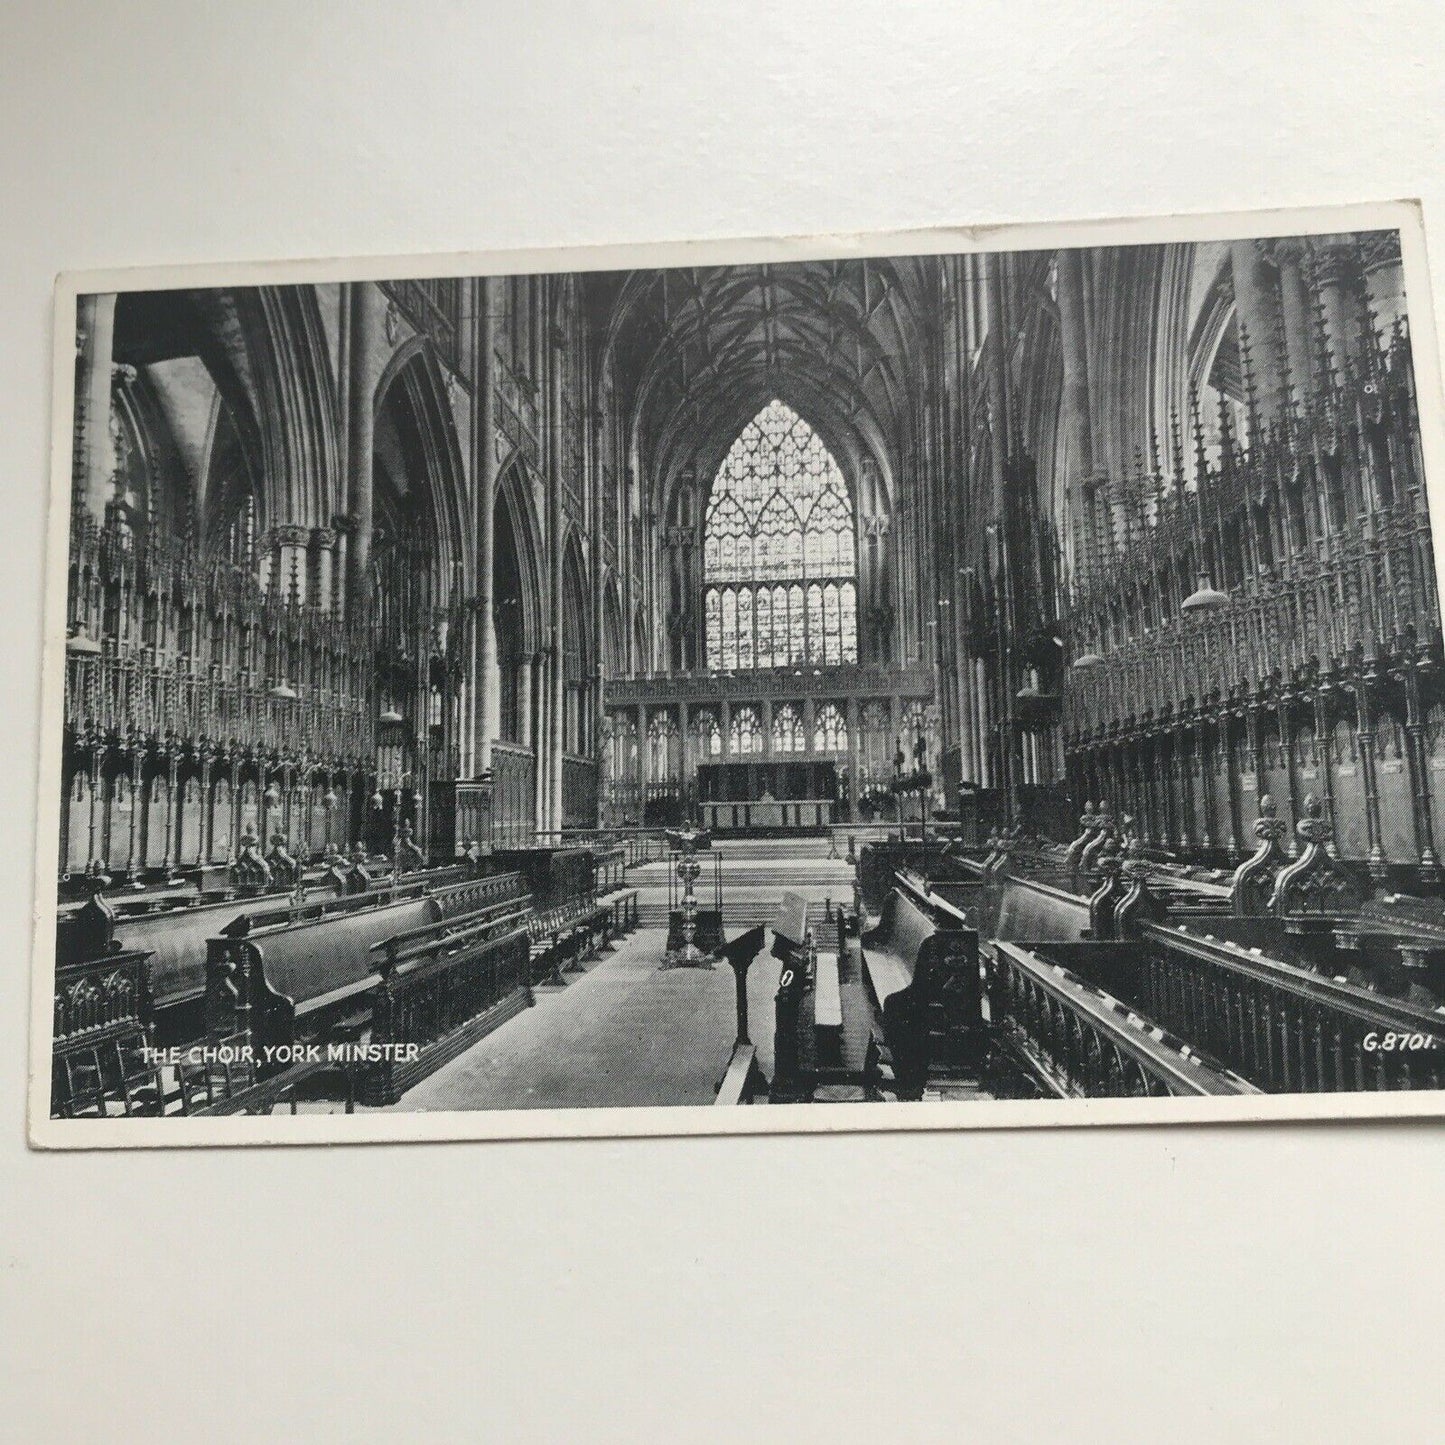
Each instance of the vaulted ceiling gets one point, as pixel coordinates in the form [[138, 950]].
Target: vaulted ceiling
[[695, 352]]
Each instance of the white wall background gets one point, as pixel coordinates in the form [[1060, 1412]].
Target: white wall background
[[1199, 1284]]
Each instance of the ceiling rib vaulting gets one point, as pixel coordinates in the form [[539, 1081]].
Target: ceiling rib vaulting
[[696, 352]]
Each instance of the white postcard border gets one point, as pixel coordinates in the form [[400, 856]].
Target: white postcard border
[[680, 1120]]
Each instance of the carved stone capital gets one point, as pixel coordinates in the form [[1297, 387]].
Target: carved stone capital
[[1379, 250]]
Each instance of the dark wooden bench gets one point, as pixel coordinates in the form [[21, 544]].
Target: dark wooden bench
[[444, 986], [569, 924], [100, 1051], [276, 988], [176, 939], [921, 964], [623, 905], [565, 936]]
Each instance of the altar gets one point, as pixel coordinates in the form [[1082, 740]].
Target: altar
[[766, 815], [767, 796]]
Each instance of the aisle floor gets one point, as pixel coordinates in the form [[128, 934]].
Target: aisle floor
[[625, 1033]]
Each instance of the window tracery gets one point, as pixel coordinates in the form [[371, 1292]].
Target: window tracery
[[745, 732], [787, 729], [709, 734], [779, 553], [830, 729]]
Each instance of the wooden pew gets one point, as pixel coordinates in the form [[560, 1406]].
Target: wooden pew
[[176, 939], [279, 993], [444, 986], [571, 921], [1286, 1026], [1076, 1040], [102, 1019], [921, 964]]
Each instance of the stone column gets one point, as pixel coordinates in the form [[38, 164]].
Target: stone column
[[484, 463], [94, 459], [980, 723], [1336, 262], [524, 700], [644, 758], [1077, 415], [368, 309], [541, 767], [1294, 300], [1384, 280], [1258, 313], [323, 556], [289, 575], [554, 487], [767, 708]]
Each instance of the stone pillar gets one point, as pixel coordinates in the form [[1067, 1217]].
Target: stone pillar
[[1078, 419], [980, 723], [368, 309], [467, 694], [94, 459], [557, 691], [289, 575], [1294, 301], [524, 700], [541, 767], [484, 461], [323, 556], [1257, 311], [1384, 280], [767, 707], [1336, 262]]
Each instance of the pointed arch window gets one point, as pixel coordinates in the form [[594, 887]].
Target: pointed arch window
[[779, 551], [787, 729], [745, 735], [830, 729], [709, 734]]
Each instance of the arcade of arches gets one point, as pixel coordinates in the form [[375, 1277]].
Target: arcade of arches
[[504, 557]]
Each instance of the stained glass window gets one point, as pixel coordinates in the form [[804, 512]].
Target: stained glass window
[[830, 729], [662, 748], [709, 735], [787, 729], [745, 735], [779, 557]]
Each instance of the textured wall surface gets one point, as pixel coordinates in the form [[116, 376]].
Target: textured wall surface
[[1237, 1283]]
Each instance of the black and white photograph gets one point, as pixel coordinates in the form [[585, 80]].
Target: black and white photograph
[[952, 683]]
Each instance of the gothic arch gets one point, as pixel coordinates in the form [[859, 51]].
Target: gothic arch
[[288, 365], [612, 639], [517, 526], [577, 648], [415, 376]]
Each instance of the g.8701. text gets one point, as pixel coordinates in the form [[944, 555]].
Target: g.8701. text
[[1392, 1042]]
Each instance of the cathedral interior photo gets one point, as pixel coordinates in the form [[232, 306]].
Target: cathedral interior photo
[[928, 678]]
